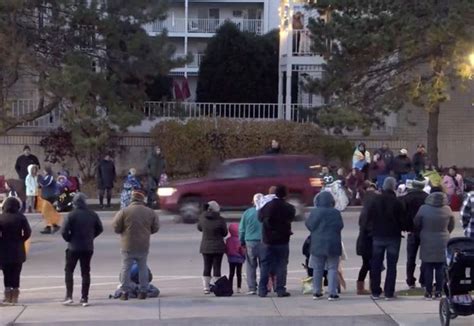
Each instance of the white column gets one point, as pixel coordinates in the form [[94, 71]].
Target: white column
[[289, 61], [186, 35], [266, 17]]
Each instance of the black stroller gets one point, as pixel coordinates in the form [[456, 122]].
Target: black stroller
[[459, 280]]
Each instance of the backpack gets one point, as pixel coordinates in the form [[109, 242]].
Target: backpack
[[222, 287]]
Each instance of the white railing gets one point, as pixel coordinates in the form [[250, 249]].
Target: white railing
[[259, 111], [302, 43], [206, 26], [21, 107]]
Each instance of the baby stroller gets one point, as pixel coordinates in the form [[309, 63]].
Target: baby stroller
[[459, 280]]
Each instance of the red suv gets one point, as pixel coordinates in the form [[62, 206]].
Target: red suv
[[234, 182]]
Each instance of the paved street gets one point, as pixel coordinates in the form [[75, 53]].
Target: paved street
[[177, 266]]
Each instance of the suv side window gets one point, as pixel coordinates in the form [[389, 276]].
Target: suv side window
[[234, 171], [265, 169]]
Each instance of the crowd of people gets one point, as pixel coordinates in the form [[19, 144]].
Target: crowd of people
[[261, 239]]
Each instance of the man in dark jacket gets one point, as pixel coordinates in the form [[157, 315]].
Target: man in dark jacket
[[25, 160], [155, 166], [105, 179], [276, 217], [412, 201], [402, 164], [419, 159], [385, 221], [386, 155], [275, 148], [80, 228]]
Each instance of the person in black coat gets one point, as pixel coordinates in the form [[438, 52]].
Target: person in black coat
[[419, 160], [276, 217], [14, 231], [80, 228], [364, 240], [105, 179], [402, 164], [275, 148], [412, 201], [385, 221], [25, 160]]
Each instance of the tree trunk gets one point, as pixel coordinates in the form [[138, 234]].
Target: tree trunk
[[433, 126]]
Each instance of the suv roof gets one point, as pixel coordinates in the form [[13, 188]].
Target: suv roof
[[272, 156]]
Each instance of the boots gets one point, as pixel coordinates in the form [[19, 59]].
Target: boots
[[46, 230], [206, 284], [14, 295], [361, 288], [7, 296]]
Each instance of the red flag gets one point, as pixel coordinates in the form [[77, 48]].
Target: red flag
[[178, 93], [185, 89]]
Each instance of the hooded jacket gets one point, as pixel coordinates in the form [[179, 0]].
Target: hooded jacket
[[48, 186], [214, 229], [81, 226], [435, 221], [14, 231], [325, 224], [136, 223], [250, 228], [233, 248], [31, 182], [402, 165]]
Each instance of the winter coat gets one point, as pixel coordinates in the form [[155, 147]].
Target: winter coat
[[364, 240], [31, 183], [402, 165], [412, 201], [385, 216], [273, 151], [355, 182], [450, 186], [22, 164], [250, 228], [467, 215], [14, 231], [419, 161], [155, 165], [81, 227], [387, 157], [233, 248], [435, 179], [325, 224], [106, 175], [48, 186], [435, 221], [136, 223], [359, 160], [131, 183], [276, 217], [214, 229], [378, 168]]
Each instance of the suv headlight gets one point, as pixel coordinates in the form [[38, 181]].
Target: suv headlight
[[166, 191]]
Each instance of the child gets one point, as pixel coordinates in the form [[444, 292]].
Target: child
[[235, 254], [31, 184], [131, 183]]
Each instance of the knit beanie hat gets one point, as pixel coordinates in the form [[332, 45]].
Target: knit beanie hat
[[138, 195], [213, 206]]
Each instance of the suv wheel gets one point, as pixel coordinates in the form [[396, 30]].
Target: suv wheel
[[299, 207], [189, 210]]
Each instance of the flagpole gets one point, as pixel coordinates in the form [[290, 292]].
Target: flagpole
[[186, 35]]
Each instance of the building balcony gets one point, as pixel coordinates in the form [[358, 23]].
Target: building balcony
[[197, 26]]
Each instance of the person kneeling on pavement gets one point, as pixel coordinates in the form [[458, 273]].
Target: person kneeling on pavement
[[135, 223], [152, 291]]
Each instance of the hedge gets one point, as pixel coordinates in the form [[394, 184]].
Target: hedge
[[192, 147]]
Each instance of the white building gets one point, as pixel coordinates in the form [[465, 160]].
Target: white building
[[191, 23]]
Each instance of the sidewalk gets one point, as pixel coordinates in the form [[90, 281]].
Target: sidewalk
[[238, 310]]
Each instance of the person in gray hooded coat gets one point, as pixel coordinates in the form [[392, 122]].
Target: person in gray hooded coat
[[325, 224], [434, 221]]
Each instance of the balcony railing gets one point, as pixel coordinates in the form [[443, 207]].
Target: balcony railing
[[205, 26], [22, 107], [197, 59], [243, 111], [302, 43]]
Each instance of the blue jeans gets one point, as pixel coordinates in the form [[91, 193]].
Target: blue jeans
[[428, 269], [253, 259], [379, 247], [125, 277], [318, 263], [273, 259]]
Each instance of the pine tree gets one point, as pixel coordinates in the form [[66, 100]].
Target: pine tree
[[382, 55], [89, 57]]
